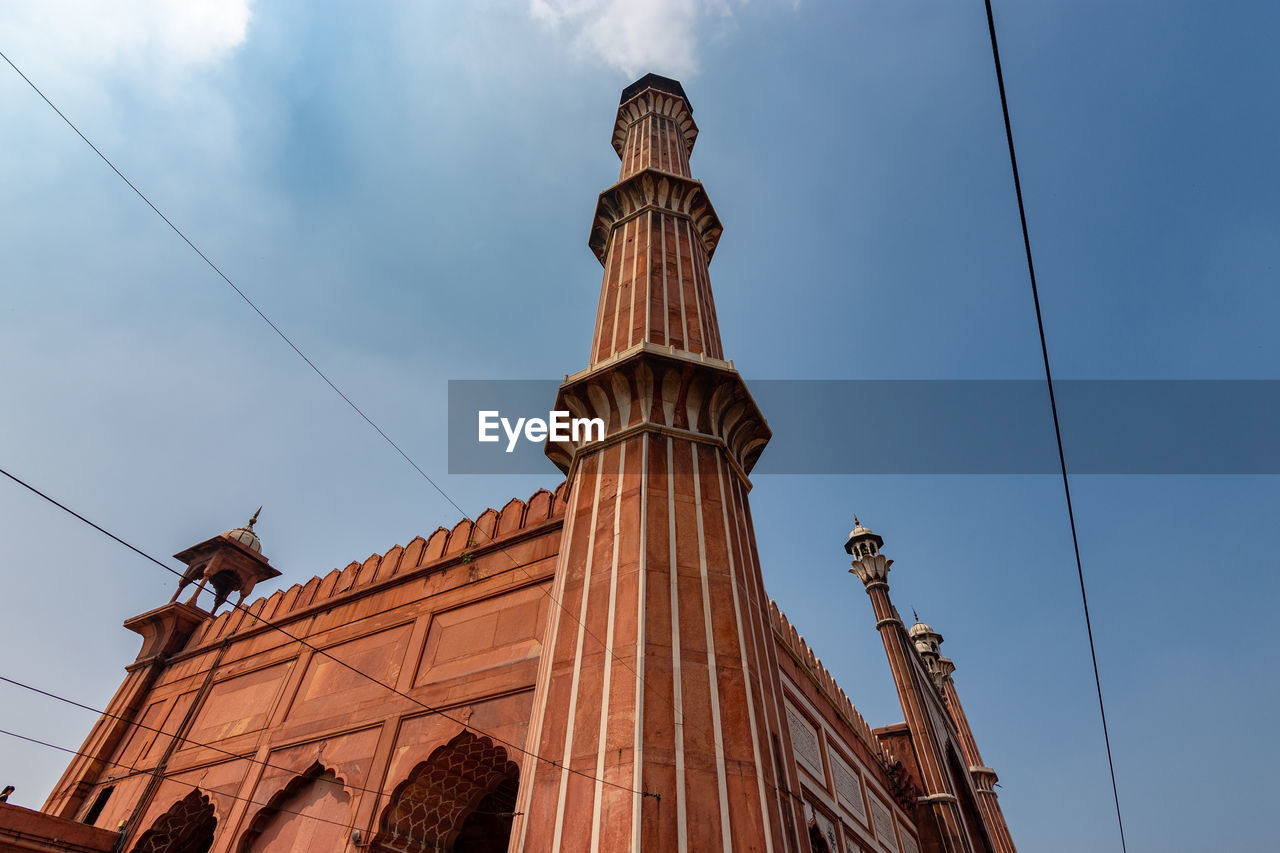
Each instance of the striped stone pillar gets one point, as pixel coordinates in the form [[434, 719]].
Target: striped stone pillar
[[914, 690], [658, 697], [984, 778]]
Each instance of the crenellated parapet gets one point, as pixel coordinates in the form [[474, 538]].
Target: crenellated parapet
[[444, 547], [799, 649], [652, 189], [663, 390]]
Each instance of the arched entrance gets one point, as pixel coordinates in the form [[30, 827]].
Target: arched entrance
[[312, 812], [187, 827], [459, 800]]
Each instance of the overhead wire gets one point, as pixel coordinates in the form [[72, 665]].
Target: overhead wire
[[134, 771], [1053, 407], [322, 652], [138, 724], [311, 364]]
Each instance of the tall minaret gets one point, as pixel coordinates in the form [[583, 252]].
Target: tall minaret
[[928, 643], [917, 692], [667, 741]]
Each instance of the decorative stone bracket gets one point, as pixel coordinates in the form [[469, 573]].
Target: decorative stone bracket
[[653, 100], [656, 389], [653, 189]]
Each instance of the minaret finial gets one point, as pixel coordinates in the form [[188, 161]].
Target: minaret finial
[[856, 523], [254, 520], [915, 615]]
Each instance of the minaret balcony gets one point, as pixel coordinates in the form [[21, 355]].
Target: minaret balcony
[[654, 189], [652, 388]]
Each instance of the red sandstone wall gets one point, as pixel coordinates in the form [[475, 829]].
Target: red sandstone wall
[[451, 621], [843, 783]]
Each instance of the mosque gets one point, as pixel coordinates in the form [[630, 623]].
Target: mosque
[[595, 668]]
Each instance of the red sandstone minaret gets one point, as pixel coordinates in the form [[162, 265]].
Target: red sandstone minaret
[[928, 644], [946, 786], [658, 695]]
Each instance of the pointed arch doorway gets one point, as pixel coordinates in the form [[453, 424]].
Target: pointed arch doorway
[[460, 800]]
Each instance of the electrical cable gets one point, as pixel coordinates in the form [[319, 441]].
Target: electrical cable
[[322, 652], [1053, 407], [140, 725], [244, 296], [136, 772]]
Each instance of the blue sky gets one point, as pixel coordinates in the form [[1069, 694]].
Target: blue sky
[[407, 188]]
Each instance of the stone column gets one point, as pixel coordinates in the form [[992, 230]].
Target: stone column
[[658, 696], [914, 691]]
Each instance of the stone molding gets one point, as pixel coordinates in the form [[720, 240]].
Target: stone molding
[[657, 102], [872, 569], [654, 189], [652, 390]]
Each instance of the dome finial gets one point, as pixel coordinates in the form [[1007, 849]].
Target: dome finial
[[254, 520], [860, 534]]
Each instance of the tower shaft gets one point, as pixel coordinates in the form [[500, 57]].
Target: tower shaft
[[984, 778], [914, 687], [658, 696], [655, 232]]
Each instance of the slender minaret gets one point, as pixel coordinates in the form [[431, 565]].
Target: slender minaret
[[657, 697], [928, 643], [917, 692]]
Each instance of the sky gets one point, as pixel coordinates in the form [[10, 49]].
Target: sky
[[406, 190]]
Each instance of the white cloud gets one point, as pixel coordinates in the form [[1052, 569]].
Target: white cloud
[[162, 38], [633, 36]]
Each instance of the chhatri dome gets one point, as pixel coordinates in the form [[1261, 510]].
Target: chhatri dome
[[245, 535], [920, 628]]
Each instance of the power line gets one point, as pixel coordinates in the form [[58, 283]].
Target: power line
[[136, 772], [1053, 407], [608, 651], [322, 652], [138, 724], [223, 276]]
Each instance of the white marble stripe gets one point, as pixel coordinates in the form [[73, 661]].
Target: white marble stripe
[[598, 332], [544, 663], [684, 325], [635, 286], [713, 684], [699, 292], [617, 287], [664, 161], [677, 686], [697, 302], [721, 476], [648, 278], [577, 661], [760, 632], [598, 795], [770, 664], [714, 344], [666, 306], [637, 738]]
